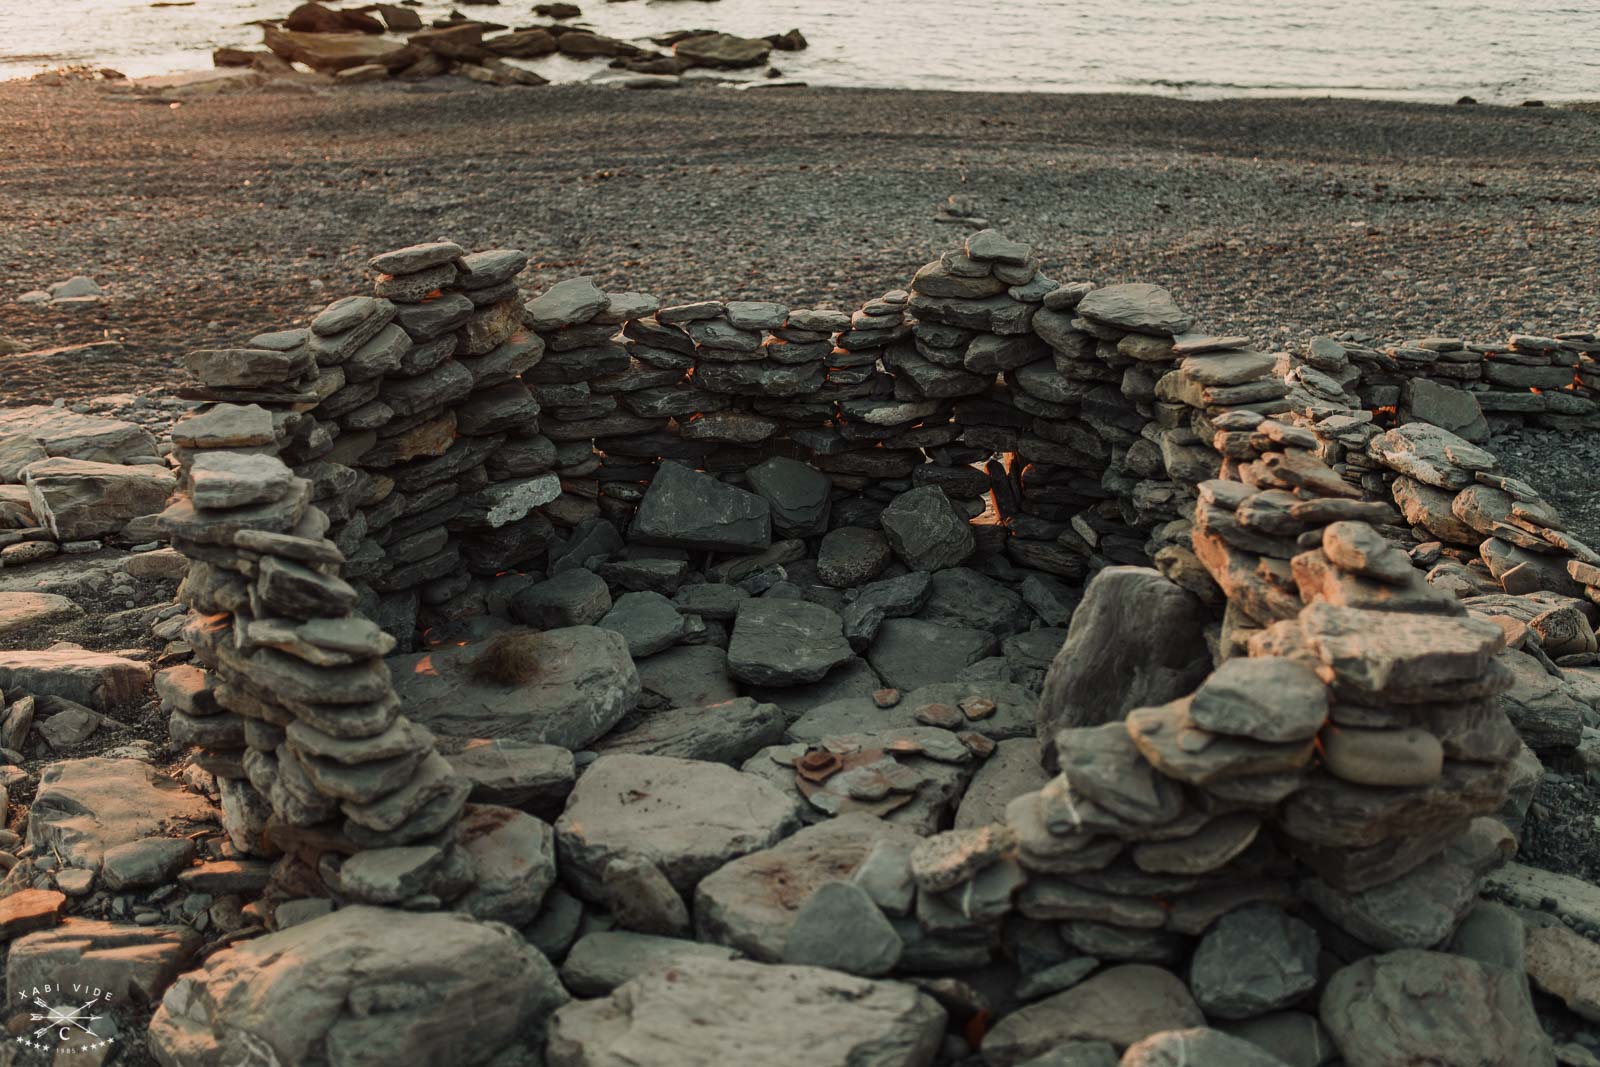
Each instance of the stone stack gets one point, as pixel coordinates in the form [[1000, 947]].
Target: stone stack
[[579, 384], [974, 308], [294, 710]]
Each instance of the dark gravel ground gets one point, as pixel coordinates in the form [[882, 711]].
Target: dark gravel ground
[[1283, 218], [1564, 467]]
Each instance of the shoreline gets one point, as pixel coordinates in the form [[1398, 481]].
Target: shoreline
[[1281, 218], [72, 74]]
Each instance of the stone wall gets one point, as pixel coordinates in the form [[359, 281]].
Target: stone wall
[[1471, 389], [1339, 744]]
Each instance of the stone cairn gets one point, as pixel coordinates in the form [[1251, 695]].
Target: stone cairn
[[294, 709], [394, 460]]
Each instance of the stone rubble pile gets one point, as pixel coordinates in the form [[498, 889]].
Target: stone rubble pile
[[775, 723]]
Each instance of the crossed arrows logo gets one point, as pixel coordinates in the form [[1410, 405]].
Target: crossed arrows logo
[[64, 1018]]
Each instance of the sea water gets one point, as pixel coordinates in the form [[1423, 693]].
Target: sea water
[[1500, 51]]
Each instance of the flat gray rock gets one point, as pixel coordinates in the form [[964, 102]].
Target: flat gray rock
[[1252, 961], [513, 858], [1121, 1005], [86, 807], [851, 555], [1410, 1007], [799, 495], [1012, 716], [1269, 698], [647, 621], [566, 303], [909, 653], [1010, 771], [727, 732], [516, 774], [601, 961], [62, 432], [688, 676], [765, 1015], [575, 597], [853, 678], [687, 817], [21, 611], [840, 927], [751, 903], [960, 596], [79, 500], [585, 683], [1136, 306], [689, 509], [785, 642]]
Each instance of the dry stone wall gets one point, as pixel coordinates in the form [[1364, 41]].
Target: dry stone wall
[[1466, 387], [1341, 744]]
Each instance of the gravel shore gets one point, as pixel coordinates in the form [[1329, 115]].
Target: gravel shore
[[219, 217]]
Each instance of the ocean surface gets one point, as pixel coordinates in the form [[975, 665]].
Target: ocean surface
[[1500, 51]]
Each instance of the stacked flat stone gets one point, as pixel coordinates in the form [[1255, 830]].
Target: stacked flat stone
[[416, 389], [1476, 388], [293, 709], [885, 437], [587, 371], [974, 308]]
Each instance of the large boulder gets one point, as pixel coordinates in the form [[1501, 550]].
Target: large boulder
[[1137, 640], [1410, 1007], [580, 684], [81, 499], [330, 52], [926, 531], [731, 1011], [722, 50], [685, 816], [688, 509], [360, 986]]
